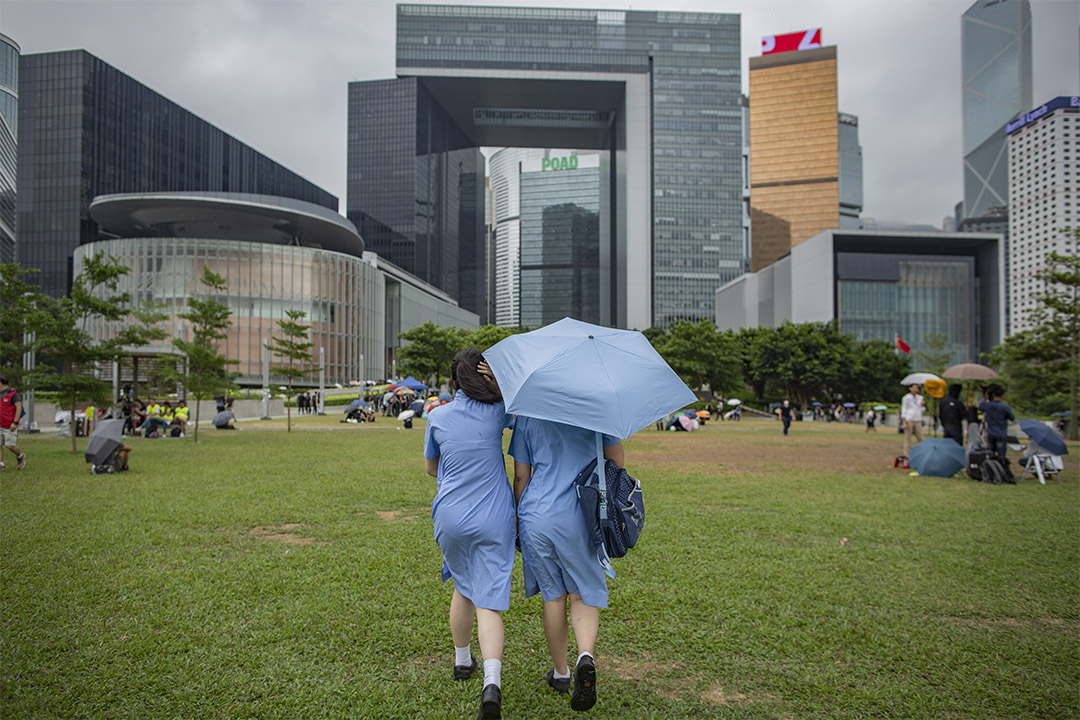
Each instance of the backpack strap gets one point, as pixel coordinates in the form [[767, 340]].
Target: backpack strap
[[601, 475]]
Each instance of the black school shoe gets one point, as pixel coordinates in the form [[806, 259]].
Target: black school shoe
[[490, 703], [464, 672], [584, 696], [559, 685]]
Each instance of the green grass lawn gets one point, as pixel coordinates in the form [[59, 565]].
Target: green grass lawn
[[264, 574]]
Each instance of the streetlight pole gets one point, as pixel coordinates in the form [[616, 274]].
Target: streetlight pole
[[266, 379], [322, 380]]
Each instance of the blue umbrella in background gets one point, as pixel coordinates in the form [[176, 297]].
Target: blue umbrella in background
[[1044, 437], [445, 396], [849, 405], [1065, 413], [816, 404], [413, 384], [597, 378], [937, 457]]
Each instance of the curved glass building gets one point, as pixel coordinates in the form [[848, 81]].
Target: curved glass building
[[9, 144], [276, 254]]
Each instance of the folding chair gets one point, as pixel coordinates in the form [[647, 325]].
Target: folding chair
[[1042, 465]]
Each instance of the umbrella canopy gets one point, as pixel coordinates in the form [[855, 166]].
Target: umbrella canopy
[[687, 423], [413, 384], [918, 378], [406, 414], [1044, 436], [223, 418], [881, 407], [734, 401], [445, 396], [597, 378], [417, 406], [849, 405], [104, 441], [937, 457], [357, 403], [405, 392], [971, 371], [935, 388], [1066, 413], [816, 404], [690, 413]]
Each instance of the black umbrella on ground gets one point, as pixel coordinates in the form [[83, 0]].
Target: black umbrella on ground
[[104, 441]]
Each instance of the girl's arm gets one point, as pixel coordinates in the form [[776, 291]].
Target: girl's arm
[[432, 467]]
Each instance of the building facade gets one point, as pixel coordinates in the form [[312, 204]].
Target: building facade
[[88, 129], [794, 150], [656, 92], [997, 86], [9, 144], [560, 239], [1044, 199], [877, 284], [851, 172]]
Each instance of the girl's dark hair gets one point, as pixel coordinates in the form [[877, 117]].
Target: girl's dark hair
[[465, 376]]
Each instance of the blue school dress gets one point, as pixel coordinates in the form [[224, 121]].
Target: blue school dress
[[473, 510], [557, 551]]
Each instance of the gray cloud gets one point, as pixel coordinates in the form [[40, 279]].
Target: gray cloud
[[274, 73]]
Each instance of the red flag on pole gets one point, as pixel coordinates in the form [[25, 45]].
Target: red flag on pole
[[901, 345]]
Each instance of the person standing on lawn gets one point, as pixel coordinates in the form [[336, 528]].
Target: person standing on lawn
[[997, 415], [557, 551], [911, 410], [10, 417], [784, 411], [473, 515]]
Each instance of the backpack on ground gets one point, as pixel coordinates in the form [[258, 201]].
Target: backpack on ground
[[975, 460], [994, 472]]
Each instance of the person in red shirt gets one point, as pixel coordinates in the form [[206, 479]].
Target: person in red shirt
[[10, 415]]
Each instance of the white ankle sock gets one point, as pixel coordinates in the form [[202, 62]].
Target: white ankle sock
[[492, 672], [461, 656], [560, 676], [584, 654]]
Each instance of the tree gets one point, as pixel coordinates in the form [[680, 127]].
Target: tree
[[485, 336], [20, 316], [293, 346], [430, 350], [700, 355], [71, 356], [1052, 345], [205, 371], [933, 355]]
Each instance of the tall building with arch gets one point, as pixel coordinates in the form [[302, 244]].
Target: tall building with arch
[[997, 86]]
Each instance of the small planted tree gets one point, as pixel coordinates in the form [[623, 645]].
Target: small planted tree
[[205, 371], [293, 348], [70, 354], [20, 316]]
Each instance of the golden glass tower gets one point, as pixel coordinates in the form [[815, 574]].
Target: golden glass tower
[[794, 152]]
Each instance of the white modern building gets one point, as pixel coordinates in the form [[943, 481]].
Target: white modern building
[[1044, 200], [879, 284]]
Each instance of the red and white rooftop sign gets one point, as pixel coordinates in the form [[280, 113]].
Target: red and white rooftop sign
[[802, 40]]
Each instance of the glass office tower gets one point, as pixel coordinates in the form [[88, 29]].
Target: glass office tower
[[671, 226], [560, 240], [997, 86], [851, 172], [9, 144], [88, 129]]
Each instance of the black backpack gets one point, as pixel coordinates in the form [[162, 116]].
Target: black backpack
[[996, 472], [975, 460]]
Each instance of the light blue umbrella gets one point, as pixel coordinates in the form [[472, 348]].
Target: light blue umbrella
[[592, 377], [597, 378], [937, 456], [1044, 437]]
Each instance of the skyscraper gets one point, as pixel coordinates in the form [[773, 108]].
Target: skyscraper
[[996, 67], [1044, 200], [851, 174], [794, 150], [656, 92], [87, 129], [9, 144]]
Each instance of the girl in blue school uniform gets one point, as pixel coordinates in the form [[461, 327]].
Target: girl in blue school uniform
[[557, 551], [473, 515]]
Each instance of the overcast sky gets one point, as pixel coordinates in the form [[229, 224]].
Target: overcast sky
[[274, 73]]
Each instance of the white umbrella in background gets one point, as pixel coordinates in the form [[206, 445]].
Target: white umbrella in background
[[734, 401], [919, 378]]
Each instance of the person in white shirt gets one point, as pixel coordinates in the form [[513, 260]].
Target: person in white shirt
[[911, 409]]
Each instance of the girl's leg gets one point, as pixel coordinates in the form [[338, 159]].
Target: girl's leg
[[586, 622], [489, 629], [461, 619], [556, 630]]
